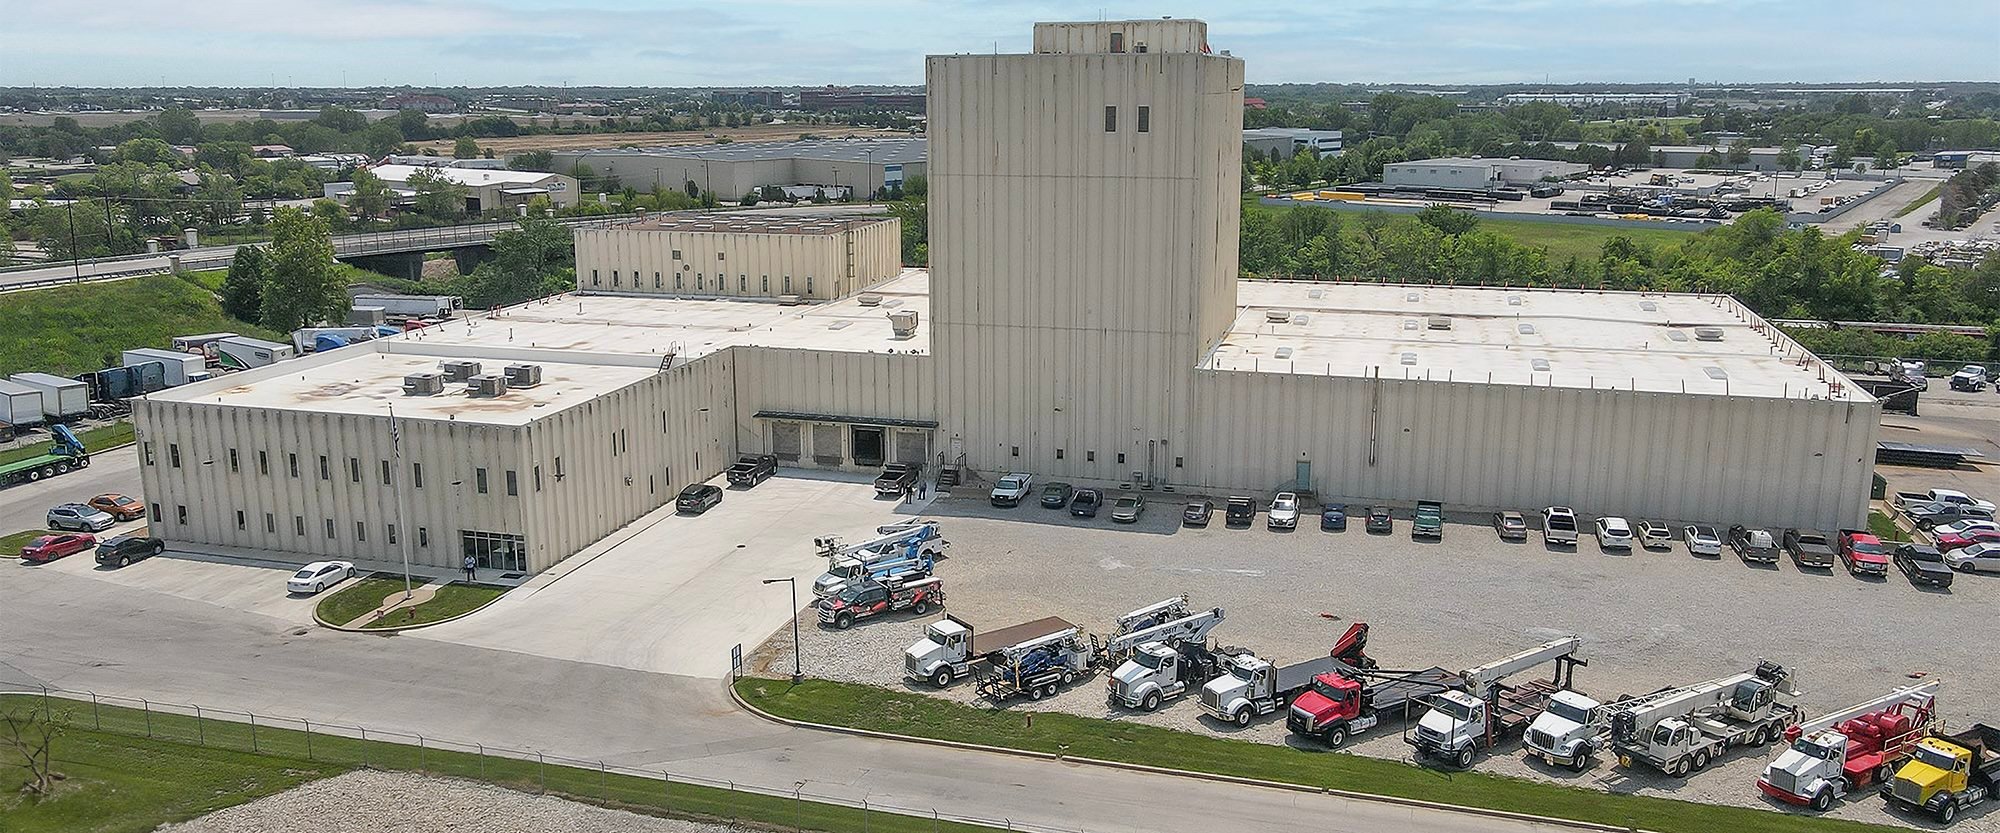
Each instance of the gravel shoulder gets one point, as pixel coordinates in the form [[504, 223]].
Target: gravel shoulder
[[367, 801], [1647, 619]]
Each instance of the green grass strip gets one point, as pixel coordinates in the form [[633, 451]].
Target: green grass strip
[[906, 713], [1920, 202], [451, 600], [357, 599]]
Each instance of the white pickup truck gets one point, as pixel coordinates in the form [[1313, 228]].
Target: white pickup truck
[[1012, 489]]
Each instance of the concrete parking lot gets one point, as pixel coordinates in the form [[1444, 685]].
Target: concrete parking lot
[[256, 587], [673, 593], [1647, 619]]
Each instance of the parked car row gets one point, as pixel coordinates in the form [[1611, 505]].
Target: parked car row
[[75, 526]]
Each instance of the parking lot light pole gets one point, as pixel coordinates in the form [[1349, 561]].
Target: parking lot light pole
[[798, 675]]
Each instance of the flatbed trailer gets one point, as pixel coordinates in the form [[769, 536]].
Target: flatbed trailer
[[41, 467], [988, 642]]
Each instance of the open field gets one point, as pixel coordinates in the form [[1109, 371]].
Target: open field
[[72, 329], [1562, 240], [704, 136]]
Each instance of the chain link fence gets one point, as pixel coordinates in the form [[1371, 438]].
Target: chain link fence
[[676, 793]]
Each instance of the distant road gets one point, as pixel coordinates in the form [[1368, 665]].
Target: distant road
[[344, 245]]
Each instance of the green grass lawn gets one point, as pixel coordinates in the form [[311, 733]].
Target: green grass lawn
[[119, 784], [72, 329], [908, 713], [10, 545], [357, 598], [1884, 527], [209, 279], [451, 600], [1919, 202], [170, 767]]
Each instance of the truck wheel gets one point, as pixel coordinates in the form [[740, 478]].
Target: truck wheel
[[159, 548], [1677, 768], [1068, 677], [1151, 703], [1241, 717], [1700, 761], [62, 468], [1335, 736], [1949, 811], [921, 607], [1884, 773], [1463, 760], [1581, 762], [844, 621], [1035, 693], [1823, 799], [941, 678], [34, 475], [82, 461]]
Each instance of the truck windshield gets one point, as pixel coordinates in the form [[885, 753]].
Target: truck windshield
[[1241, 672], [1935, 757], [1568, 712], [1805, 746], [1455, 710], [1147, 660], [1325, 689]]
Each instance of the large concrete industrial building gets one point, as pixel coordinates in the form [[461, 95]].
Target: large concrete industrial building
[[1082, 319], [838, 167], [740, 255]]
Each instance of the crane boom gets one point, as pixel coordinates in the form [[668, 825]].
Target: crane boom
[[1921, 696], [1153, 614], [1480, 679], [1639, 715], [1190, 628]]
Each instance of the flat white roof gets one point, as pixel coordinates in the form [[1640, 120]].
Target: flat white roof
[[464, 176], [1550, 338]]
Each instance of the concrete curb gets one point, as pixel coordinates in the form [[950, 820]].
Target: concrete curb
[[400, 628], [1205, 776]]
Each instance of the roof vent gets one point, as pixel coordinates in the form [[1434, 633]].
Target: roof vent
[[1412, 297], [458, 370], [1708, 334], [869, 299], [1302, 319], [1284, 352], [1409, 358], [790, 300], [1677, 335], [839, 325], [524, 375], [423, 384], [1649, 306], [487, 384], [1539, 365], [1513, 300], [1527, 329], [1278, 316], [1409, 323], [903, 323], [1315, 294], [1440, 322], [1716, 373]]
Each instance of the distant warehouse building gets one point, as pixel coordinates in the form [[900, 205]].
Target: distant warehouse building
[[1290, 140], [740, 255], [1475, 173], [856, 167], [1089, 327], [485, 189]]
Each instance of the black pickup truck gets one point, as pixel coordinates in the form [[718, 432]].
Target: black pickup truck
[[1809, 548], [898, 478], [752, 469]]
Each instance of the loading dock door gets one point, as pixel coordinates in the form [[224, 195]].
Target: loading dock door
[[912, 446], [826, 445], [868, 445], [785, 441]]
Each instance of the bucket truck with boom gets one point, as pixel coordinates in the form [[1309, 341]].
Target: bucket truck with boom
[[1162, 662], [1842, 752]]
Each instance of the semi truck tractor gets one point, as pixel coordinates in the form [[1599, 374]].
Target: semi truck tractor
[[1857, 747], [952, 645], [1681, 731], [1489, 709], [1947, 774]]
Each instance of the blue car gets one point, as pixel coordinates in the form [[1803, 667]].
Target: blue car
[[1333, 517]]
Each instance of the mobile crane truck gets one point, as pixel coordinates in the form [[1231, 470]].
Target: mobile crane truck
[[1158, 664], [1679, 731], [1253, 686], [1947, 774], [1842, 752], [1488, 710]]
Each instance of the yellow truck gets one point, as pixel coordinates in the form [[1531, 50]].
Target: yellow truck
[[1947, 774]]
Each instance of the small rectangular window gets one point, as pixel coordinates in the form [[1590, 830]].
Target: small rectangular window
[[1090, 456], [147, 450], [292, 461], [181, 515], [423, 536], [1121, 458], [538, 478], [677, 254], [392, 533], [809, 284], [657, 283], [742, 283], [299, 524], [1145, 119], [1117, 41], [354, 469], [270, 522], [325, 471], [156, 513], [718, 256], [1110, 118], [329, 529], [593, 278], [766, 284], [233, 464], [677, 279], [1016, 451], [614, 278], [1059, 453], [1178, 462], [479, 480], [513, 484], [360, 531], [240, 520], [174, 454], [417, 475], [263, 462], [559, 471], [388, 477]]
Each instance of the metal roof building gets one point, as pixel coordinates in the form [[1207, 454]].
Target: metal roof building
[[859, 166]]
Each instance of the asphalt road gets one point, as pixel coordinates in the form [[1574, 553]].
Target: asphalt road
[[26, 506], [79, 632]]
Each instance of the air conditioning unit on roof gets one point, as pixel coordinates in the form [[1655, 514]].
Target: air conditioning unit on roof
[[487, 384], [524, 375], [456, 370], [423, 384]]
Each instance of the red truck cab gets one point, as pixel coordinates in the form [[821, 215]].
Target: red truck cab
[[1863, 553], [1329, 709]]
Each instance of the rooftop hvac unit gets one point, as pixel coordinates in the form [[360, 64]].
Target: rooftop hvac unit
[[790, 300], [1279, 316], [487, 384], [457, 370], [1439, 322], [869, 299], [1708, 334], [524, 375], [423, 384], [903, 323]]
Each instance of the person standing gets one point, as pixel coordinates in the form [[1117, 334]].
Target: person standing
[[471, 568]]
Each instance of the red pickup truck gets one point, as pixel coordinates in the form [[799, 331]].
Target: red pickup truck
[[1863, 553]]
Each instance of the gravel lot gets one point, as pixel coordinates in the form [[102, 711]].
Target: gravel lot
[[390, 802], [1647, 619]]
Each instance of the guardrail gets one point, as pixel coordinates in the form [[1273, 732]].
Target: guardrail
[[535, 770]]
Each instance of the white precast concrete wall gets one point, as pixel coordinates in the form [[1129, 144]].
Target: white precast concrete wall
[[1711, 459], [752, 264], [863, 386]]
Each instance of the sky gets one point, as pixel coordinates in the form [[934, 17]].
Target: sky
[[809, 42]]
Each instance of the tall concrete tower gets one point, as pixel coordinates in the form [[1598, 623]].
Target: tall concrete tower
[[1083, 237]]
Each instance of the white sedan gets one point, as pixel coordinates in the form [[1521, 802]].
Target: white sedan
[[1614, 533], [1284, 512], [319, 576], [1961, 527], [1702, 540], [1982, 558]]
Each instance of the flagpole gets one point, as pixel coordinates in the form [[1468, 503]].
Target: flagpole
[[396, 494]]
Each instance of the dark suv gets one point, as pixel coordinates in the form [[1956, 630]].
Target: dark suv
[[1239, 511], [698, 498], [125, 549], [1086, 502]]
